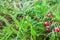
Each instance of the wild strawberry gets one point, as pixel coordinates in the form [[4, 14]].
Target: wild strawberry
[[49, 15], [48, 29], [46, 24], [56, 29]]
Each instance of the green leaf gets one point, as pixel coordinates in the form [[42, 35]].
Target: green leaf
[[52, 36]]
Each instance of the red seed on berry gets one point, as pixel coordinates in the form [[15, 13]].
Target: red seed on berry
[[56, 29], [46, 24]]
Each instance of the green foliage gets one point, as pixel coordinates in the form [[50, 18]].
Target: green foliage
[[28, 19], [52, 36]]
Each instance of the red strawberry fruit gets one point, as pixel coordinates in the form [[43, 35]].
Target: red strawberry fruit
[[48, 29], [56, 29], [49, 15], [46, 24]]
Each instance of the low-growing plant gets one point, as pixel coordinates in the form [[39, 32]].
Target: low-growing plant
[[29, 20]]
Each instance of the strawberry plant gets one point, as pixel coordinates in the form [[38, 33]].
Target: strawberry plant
[[29, 20]]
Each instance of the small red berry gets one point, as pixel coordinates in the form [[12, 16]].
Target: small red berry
[[48, 29], [56, 29], [49, 15], [46, 24]]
